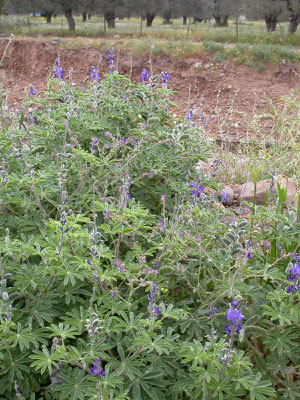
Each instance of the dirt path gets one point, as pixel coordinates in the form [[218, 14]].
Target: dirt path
[[226, 90]]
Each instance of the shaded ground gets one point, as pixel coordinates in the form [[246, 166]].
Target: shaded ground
[[229, 90]]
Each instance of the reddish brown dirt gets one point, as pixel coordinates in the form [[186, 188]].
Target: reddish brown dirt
[[224, 87]]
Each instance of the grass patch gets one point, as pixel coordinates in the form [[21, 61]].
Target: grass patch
[[271, 145]]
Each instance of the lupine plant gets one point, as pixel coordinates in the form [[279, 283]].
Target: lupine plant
[[118, 277]]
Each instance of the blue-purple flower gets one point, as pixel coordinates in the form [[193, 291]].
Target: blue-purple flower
[[17, 390], [212, 311], [235, 317], [165, 77], [144, 76], [197, 189], [190, 115], [32, 90], [106, 214], [293, 277], [224, 197], [58, 70], [157, 311], [93, 143], [162, 225], [95, 74], [96, 369], [119, 265]]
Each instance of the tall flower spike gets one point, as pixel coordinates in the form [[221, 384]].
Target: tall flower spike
[[190, 115], [144, 76], [96, 369], [58, 70], [111, 61], [95, 74], [235, 317], [165, 77], [32, 90], [293, 278]]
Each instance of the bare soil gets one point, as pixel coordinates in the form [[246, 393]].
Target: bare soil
[[226, 91]]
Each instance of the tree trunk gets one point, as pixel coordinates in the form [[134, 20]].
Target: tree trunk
[[197, 19], [48, 16], [84, 14], [184, 20], [150, 17], [294, 21], [271, 22], [70, 19], [221, 21], [225, 20], [110, 18], [89, 15], [167, 17]]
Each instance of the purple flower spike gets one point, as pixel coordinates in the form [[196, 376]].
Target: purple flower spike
[[293, 277], [212, 312], [162, 226], [190, 115], [197, 189], [235, 317], [32, 90], [144, 76], [157, 311], [96, 369], [95, 74], [58, 70], [165, 77]]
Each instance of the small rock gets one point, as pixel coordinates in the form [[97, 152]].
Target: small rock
[[218, 206], [55, 41], [117, 36], [226, 195], [245, 192]]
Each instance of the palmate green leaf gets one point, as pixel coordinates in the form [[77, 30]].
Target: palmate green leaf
[[45, 360], [63, 331], [128, 323], [22, 337], [74, 386], [110, 380], [277, 364], [71, 274], [290, 390], [148, 385], [74, 294], [169, 312], [261, 390], [131, 368], [15, 365], [278, 312], [42, 310], [281, 341], [160, 345], [222, 390], [77, 318]]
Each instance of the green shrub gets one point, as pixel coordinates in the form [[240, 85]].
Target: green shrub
[[218, 57], [113, 260], [212, 47], [261, 68]]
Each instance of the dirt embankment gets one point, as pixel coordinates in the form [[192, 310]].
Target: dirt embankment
[[221, 88]]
